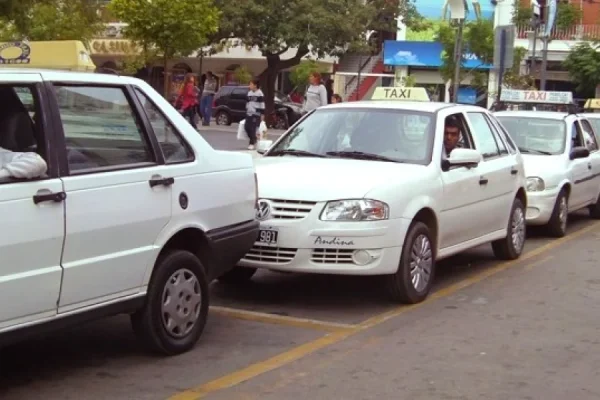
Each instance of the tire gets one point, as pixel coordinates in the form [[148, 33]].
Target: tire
[[237, 275], [595, 209], [557, 226], [223, 118], [507, 248], [149, 323], [282, 123], [400, 286]]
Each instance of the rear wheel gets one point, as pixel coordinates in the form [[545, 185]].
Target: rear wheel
[[412, 282], [511, 247], [238, 275], [223, 118], [557, 226]]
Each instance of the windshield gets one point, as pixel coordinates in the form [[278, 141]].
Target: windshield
[[368, 134], [536, 135], [595, 125]]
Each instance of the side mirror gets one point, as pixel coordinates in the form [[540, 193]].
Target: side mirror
[[579, 152], [462, 158]]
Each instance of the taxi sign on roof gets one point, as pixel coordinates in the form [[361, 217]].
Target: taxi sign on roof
[[593, 104], [400, 93], [535, 96]]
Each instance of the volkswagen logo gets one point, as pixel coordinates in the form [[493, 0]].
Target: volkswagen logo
[[264, 210]]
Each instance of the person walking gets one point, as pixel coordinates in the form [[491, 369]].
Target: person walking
[[316, 94], [208, 93], [255, 111], [188, 99]]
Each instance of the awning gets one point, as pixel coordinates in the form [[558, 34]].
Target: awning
[[70, 55]]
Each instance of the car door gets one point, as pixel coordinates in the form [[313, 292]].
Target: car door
[[118, 197], [580, 170], [497, 176], [460, 207], [591, 144], [32, 211], [238, 100]]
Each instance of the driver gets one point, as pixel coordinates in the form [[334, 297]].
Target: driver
[[21, 165], [451, 134]]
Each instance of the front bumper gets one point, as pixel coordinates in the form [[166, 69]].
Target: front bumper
[[323, 247], [229, 244], [540, 206]]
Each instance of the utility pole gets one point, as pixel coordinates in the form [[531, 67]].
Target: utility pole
[[545, 40], [457, 60]]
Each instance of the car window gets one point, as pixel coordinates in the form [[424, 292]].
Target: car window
[[497, 135], [588, 136], [172, 144], [485, 141], [576, 135], [225, 90], [101, 129], [400, 135], [595, 123], [536, 135], [505, 135], [240, 93]]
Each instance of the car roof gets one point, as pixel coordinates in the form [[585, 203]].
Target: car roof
[[71, 76], [423, 106], [534, 114], [591, 115]]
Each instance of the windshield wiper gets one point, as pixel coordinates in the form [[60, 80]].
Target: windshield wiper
[[533, 151], [295, 152], [359, 155]]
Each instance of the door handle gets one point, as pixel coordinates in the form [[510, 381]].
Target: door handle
[[49, 196], [589, 165], [159, 181], [483, 180], [514, 171]]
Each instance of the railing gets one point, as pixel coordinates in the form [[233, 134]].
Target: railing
[[575, 32], [368, 65]]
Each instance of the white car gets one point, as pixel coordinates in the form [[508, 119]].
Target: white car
[[562, 165], [594, 119], [134, 214], [361, 188]]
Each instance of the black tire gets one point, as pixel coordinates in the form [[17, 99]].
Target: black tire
[[505, 249], [148, 322], [223, 118], [595, 209], [282, 122], [399, 285], [237, 275], [557, 226]]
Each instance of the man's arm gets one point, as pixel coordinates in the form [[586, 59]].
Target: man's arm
[[21, 165]]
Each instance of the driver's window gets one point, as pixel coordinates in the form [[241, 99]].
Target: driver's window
[[464, 137], [576, 136]]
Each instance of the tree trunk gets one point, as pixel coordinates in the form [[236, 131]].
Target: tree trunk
[[166, 76]]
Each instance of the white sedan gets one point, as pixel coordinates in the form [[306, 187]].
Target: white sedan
[[562, 164], [364, 188]]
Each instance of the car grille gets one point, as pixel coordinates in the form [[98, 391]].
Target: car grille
[[332, 256], [270, 255], [291, 209]]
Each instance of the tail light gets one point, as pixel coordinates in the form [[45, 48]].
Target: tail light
[[255, 191]]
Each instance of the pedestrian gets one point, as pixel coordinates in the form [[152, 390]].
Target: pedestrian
[[316, 94], [329, 88], [208, 93], [336, 98], [188, 99], [255, 111]]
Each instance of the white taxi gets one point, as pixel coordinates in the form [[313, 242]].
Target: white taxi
[[364, 188], [562, 162], [592, 106]]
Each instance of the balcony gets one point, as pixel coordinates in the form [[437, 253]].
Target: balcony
[[574, 33]]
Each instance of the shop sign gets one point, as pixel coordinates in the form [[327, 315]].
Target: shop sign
[[113, 47]]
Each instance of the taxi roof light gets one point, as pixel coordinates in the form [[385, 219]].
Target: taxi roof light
[[592, 104], [400, 93], [535, 96]]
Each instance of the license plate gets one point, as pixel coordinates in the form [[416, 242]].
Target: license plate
[[268, 236]]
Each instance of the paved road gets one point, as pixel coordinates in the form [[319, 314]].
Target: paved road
[[224, 138], [491, 330]]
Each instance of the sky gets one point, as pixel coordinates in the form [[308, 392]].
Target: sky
[[432, 9]]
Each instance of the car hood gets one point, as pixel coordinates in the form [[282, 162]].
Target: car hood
[[543, 166], [322, 179]]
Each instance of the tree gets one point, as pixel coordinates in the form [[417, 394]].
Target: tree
[[167, 28], [583, 64], [242, 75], [316, 27], [567, 15], [50, 20], [299, 74]]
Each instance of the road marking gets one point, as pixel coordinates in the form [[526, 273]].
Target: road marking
[[529, 267], [280, 319], [296, 353]]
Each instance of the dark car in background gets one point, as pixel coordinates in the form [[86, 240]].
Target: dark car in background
[[229, 106]]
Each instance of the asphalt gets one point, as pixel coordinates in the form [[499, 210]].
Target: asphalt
[[523, 329]]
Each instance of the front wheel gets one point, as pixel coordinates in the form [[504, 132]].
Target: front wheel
[[511, 247], [412, 282], [222, 118], [176, 307], [557, 226]]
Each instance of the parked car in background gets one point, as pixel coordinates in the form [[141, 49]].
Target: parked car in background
[[230, 107]]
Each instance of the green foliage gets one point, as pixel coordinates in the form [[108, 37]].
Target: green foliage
[[567, 15], [51, 20], [409, 81], [583, 64], [522, 14], [242, 75], [513, 78], [299, 74]]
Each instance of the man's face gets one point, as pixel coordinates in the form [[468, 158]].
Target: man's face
[[451, 135]]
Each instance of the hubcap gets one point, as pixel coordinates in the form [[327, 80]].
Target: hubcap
[[518, 229], [181, 301], [562, 213], [421, 263], [222, 120]]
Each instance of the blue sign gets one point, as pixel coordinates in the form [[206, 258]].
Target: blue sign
[[422, 54], [467, 95]]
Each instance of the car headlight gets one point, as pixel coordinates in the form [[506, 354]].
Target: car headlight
[[355, 210], [535, 184]]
